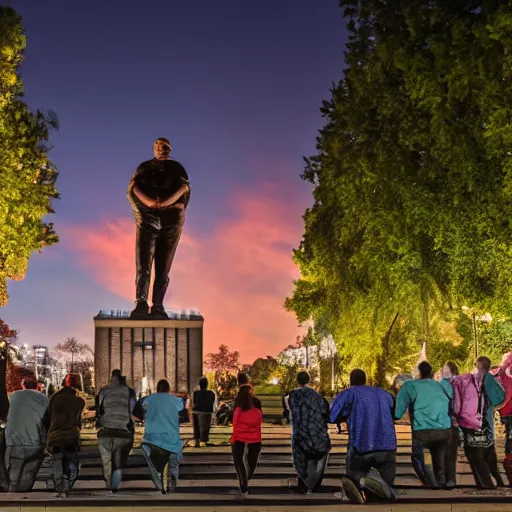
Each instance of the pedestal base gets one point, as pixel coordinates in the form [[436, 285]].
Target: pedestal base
[[149, 350]]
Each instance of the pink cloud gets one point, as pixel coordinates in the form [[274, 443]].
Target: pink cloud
[[238, 275]]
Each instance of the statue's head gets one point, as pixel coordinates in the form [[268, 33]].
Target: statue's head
[[162, 149]]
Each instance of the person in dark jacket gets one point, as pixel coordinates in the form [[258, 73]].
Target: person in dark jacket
[[310, 437], [116, 429], [63, 421], [204, 405]]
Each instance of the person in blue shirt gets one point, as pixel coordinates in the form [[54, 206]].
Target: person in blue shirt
[[371, 454], [161, 445], [428, 402]]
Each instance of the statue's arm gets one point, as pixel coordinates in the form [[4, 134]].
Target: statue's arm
[[133, 190], [150, 203], [184, 189]]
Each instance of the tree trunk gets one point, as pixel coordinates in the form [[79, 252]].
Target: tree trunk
[[382, 359], [4, 399]]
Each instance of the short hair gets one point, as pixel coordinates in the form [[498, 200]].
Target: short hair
[[454, 370], [425, 369], [116, 373], [163, 386], [29, 384], [484, 362], [203, 383], [303, 378], [357, 377], [163, 139], [242, 379]]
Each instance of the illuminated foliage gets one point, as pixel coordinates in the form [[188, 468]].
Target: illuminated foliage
[[27, 177], [412, 181]]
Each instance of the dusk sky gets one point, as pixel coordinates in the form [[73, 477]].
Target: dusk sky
[[236, 86]]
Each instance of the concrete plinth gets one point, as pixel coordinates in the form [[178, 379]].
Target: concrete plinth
[[157, 349]]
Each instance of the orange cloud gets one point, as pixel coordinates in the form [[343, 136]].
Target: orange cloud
[[237, 275]]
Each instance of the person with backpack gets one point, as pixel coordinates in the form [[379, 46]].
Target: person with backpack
[[476, 396], [310, 437], [428, 403], [116, 429], [505, 379], [371, 453], [246, 438], [450, 374]]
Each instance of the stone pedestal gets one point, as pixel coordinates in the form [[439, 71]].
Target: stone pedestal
[[156, 349]]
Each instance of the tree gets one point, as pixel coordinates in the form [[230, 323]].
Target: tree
[[16, 374], [7, 336], [27, 177], [73, 349], [223, 360], [262, 370], [412, 180]]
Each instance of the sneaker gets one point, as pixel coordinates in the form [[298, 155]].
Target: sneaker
[[244, 495], [351, 491], [158, 313], [141, 310], [376, 485]]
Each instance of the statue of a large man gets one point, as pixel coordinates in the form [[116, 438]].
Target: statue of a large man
[[159, 193]]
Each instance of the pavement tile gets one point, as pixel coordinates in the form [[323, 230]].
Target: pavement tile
[[482, 507]]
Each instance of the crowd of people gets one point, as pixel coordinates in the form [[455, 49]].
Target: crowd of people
[[444, 414]]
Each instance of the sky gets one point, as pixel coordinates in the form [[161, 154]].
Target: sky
[[236, 86]]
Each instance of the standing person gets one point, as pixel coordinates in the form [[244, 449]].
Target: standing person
[[372, 439], [476, 396], [428, 403], [116, 429], [243, 380], [161, 445], [246, 438], [204, 405], [64, 421], [310, 437], [505, 379], [286, 411], [450, 374], [25, 436]]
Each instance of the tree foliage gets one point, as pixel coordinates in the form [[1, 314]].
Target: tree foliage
[[223, 360], [27, 177], [412, 180], [262, 370], [74, 350], [7, 336]]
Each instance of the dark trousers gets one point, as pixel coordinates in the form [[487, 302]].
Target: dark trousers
[[360, 464], [64, 467], [157, 459], [202, 423], [507, 463], [158, 243], [429, 449], [245, 459], [484, 464], [4, 480], [23, 463], [452, 453], [114, 452]]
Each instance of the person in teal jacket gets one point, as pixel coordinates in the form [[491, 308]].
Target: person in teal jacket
[[428, 402]]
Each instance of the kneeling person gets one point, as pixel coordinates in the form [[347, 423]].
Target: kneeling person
[[116, 429], [371, 455], [161, 445], [25, 436]]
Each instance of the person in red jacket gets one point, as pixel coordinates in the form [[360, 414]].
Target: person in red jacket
[[502, 373], [247, 420]]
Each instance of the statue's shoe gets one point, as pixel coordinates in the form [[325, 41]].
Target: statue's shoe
[[141, 311], [158, 313]]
